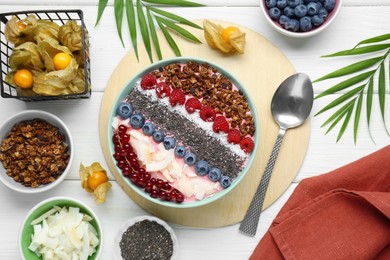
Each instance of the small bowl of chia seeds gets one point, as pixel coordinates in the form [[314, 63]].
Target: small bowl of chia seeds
[[145, 237]]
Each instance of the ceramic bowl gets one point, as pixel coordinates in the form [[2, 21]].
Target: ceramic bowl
[[276, 25], [6, 127], [131, 222], [27, 230], [129, 86]]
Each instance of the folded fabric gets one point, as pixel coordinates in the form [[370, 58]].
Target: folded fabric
[[343, 214]]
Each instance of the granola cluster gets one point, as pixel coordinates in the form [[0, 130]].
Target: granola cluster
[[213, 89], [34, 153]]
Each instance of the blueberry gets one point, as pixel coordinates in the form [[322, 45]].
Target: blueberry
[[309, 1], [283, 20], [270, 3], [180, 151], [312, 8], [305, 24], [281, 4], [289, 12], [190, 158], [169, 143], [274, 13], [300, 11], [202, 168], [214, 174], [292, 25], [225, 181], [137, 120], [158, 136], [148, 128], [317, 20], [329, 5], [124, 110], [293, 3], [323, 13]]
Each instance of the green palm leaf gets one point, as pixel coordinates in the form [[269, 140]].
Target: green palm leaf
[[118, 8], [341, 99], [153, 34], [375, 39], [173, 17], [382, 93], [101, 7], [181, 3], [132, 25], [345, 123], [169, 38], [183, 32], [144, 30], [353, 74], [339, 112], [360, 50], [357, 116], [146, 25], [346, 83], [355, 67], [370, 94]]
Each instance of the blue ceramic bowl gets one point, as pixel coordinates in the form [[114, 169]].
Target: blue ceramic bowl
[[129, 86]]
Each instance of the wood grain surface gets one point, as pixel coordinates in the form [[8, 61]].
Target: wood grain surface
[[261, 69]]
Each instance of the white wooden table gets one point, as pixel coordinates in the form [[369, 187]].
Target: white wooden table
[[358, 19]]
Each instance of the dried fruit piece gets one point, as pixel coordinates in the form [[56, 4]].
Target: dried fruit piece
[[227, 40], [94, 180]]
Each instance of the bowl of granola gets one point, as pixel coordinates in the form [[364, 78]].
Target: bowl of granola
[[36, 151]]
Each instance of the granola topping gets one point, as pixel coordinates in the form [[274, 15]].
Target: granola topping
[[34, 153]]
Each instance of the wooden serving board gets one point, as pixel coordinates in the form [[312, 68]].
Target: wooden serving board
[[261, 69]]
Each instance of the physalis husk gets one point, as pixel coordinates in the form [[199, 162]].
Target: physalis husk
[[94, 180], [227, 40]]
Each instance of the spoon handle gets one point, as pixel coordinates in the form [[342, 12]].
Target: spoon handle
[[249, 224]]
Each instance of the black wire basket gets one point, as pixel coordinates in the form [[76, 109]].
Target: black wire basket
[[60, 17]]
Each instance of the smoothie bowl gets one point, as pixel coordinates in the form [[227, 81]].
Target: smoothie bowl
[[182, 132]]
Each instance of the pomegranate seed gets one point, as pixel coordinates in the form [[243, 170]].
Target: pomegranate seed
[[159, 183], [154, 194], [146, 175], [134, 177], [162, 194], [167, 186], [122, 129], [179, 198]]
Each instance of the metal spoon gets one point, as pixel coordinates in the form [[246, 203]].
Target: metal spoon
[[290, 106]]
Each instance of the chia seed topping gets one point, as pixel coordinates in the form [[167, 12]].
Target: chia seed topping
[[203, 143], [146, 240]]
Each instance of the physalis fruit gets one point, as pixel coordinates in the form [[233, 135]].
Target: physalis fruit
[[227, 40], [94, 180]]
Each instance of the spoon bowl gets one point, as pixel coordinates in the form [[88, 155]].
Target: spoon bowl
[[290, 107], [292, 101]]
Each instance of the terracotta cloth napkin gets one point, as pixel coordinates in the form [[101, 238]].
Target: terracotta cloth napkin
[[343, 214]]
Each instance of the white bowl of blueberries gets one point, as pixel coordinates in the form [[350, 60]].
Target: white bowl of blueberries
[[300, 18]]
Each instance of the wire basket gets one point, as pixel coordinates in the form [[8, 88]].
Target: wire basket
[[60, 17]]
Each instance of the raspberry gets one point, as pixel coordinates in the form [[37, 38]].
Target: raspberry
[[234, 136], [148, 81], [220, 124], [207, 114], [193, 104], [177, 97], [163, 90], [247, 144]]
